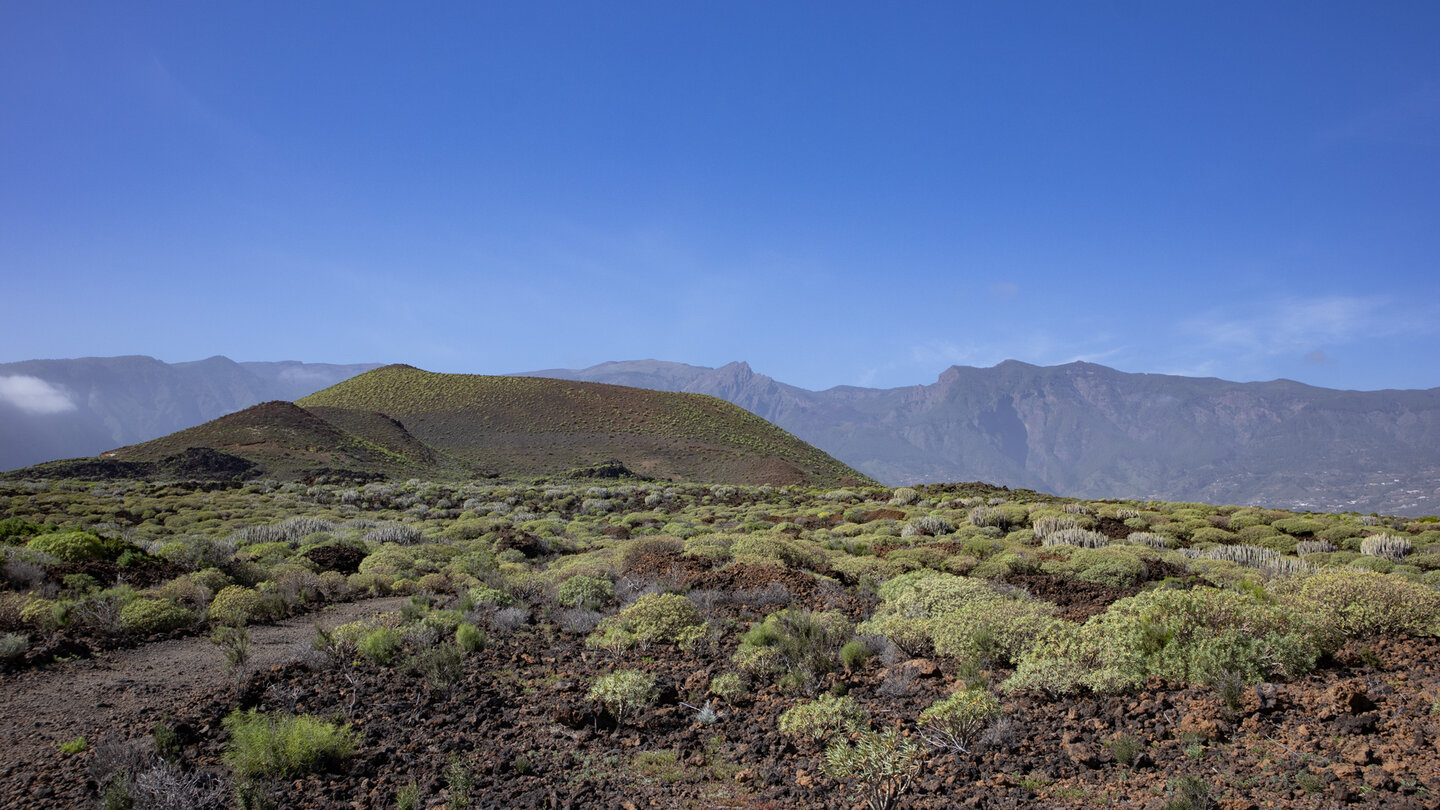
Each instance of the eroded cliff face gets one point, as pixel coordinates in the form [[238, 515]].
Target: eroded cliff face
[[1087, 430]]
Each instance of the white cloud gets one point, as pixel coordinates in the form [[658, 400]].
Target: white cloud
[[1295, 325], [34, 395]]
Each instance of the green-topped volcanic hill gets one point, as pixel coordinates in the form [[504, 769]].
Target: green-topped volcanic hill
[[285, 440], [402, 422], [524, 426]]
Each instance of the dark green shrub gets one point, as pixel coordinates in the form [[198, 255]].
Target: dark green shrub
[[469, 637], [1125, 748], [263, 745], [797, 646], [854, 654], [380, 645]]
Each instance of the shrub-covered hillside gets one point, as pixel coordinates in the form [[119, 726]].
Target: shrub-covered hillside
[[571, 644], [523, 426]]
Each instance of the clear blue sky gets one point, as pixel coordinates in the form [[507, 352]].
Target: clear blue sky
[[839, 193]]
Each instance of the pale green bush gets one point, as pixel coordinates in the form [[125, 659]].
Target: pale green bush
[[913, 602], [956, 722], [238, 605], [623, 693], [823, 717], [663, 618], [880, 765], [1179, 635], [582, 590], [1348, 603], [1000, 631], [146, 616]]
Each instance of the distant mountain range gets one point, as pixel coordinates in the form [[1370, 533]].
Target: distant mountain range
[[53, 409], [1078, 429], [400, 421], [1089, 431]]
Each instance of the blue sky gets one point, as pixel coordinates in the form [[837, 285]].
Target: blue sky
[[838, 193]]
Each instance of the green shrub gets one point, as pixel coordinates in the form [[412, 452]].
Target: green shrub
[[71, 547], [381, 645], [956, 722], [445, 621], [13, 647], [264, 745], [914, 601], [578, 591], [237, 605], [1114, 566], [880, 765], [623, 692], [146, 616], [15, 529], [854, 654], [775, 549], [822, 717], [1181, 635], [1349, 603], [1125, 748], [799, 646], [657, 618], [996, 631], [75, 746], [469, 637], [728, 685], [485, 596]]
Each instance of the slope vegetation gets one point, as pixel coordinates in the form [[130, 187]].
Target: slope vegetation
[[516, 426], [286, 440]]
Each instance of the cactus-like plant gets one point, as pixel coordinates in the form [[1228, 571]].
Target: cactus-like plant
[[1391, 547]]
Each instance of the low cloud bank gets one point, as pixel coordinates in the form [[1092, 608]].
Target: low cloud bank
[[34, 395]]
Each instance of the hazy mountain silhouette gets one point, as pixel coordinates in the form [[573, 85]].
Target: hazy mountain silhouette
[[53, 409], [1086, 430]]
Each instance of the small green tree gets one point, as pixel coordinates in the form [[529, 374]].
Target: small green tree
[[623, 692], [881, 765], [956, 722]]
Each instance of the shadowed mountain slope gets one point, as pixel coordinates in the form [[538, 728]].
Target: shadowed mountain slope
[[286, 440], [1086, 430]]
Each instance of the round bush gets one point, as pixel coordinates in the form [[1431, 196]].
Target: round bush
[[146, 616], [654, 618], [237, 605], [623, 692], [583, 590], [68, 546]]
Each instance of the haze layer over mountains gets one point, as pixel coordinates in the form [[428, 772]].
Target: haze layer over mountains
[[1079, 429]]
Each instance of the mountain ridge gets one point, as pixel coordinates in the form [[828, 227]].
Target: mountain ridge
[[63, 408], [1087, 430]]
